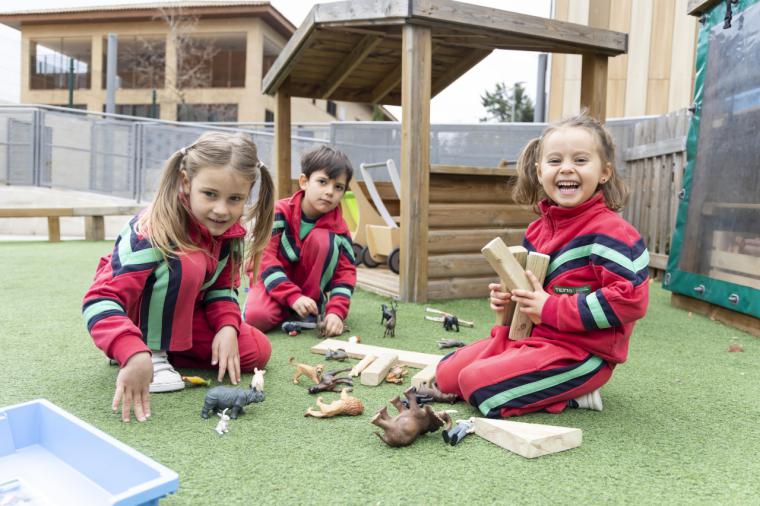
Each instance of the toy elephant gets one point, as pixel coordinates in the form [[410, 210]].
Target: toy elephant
[[220, 398]]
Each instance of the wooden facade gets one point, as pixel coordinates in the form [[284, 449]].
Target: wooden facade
[[404, 52]]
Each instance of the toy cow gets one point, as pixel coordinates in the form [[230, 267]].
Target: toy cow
[[219, 398]]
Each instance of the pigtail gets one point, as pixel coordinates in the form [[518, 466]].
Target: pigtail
[[263, 214], [165, 222], [528, 189]]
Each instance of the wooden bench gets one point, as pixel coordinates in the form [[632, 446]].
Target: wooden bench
[[94, 222]]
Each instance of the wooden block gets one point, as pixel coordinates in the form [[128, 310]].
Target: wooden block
[[361, 365], [94, 228], [360, 350], [529, 440], [521, 327], [425, 377], [521, 255], [375, 373], [54, 228], [511, 273]]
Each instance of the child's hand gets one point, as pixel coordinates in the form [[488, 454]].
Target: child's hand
[[224, 351], [499, 298], [333, 325], [305, 306], [532, 302], [132, 385]]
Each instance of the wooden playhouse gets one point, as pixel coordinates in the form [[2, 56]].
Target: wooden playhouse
[[404, 52]]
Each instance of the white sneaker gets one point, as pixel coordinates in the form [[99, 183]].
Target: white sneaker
[[591, 400], [165, 378]]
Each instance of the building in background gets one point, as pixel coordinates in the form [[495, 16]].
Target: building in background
[[203, 61], [655, 76]]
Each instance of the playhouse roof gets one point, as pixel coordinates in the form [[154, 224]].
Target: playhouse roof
[[351, 50]]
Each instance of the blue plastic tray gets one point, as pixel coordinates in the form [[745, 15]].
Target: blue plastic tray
[[48, 456]]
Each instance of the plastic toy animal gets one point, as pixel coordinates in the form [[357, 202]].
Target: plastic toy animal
[[450, 322], [390, 321], [312, 372], [219, 398], [404, 428], [257, 382], [339, 354], [330, 381], [435, 393], [450, 343], [396, 374], [386, 313], [221, 426], [346, 405]]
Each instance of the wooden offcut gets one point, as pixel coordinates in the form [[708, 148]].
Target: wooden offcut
[[360, 350], [361, 365], [529, 440], [521, 326], [425, 377], [375, 372]]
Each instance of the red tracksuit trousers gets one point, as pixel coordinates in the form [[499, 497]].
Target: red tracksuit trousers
[[253, 346], [264, 312], [504, 378]]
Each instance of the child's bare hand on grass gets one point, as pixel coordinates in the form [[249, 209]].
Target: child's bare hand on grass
[[224, 351], [333, 325], [132, 384], [531, 301], [499, 298], [305, 306]]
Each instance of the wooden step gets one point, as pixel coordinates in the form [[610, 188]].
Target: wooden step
[[479, 215], [469, 240], [458, 265]]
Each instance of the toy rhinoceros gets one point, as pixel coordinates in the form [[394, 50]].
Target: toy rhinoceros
[[220, 398]]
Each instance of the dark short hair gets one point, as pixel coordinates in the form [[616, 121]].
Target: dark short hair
[[332, 161]]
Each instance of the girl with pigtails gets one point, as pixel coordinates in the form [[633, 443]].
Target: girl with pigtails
[[596, 286], [167, 295]]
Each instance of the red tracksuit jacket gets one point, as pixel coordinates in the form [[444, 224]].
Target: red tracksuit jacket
[[282, 254], [138, 301], [598, 277]]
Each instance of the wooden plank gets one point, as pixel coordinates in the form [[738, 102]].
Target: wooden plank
[[522, 326], [375, 372], [528, 440], [458, 265], [380, 281], [35, 212], [415, 160], [659, 148], [289, 56], [658, 261], [697, 7], [736, 262], [94, 228], [741, 321], [460, 288], [361, 365], [282, 144], [463, 64], [479, 215], [486, 20], [348, 64], [594, 85], [511, 273], [470, 189], [470, 240], [425, 377], [391, 81], [54, 228], [509, 170], [359, 350]]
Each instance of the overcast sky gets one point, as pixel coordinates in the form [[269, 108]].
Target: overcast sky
[[459, 103]]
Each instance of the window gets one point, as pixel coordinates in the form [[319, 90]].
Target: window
[[54, 60], [139, 110], [140, 61], [212, 61], [268, 116], [332, 109], [207, 112]]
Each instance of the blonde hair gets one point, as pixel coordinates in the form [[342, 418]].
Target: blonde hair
[[166, 220], [528, 189]]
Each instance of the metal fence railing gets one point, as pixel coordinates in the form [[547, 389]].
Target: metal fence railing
[[124, 155]]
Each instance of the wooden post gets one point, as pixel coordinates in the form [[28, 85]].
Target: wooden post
[[416, 74], [54, 228], [94, 228], [594, 85], [282, 145]]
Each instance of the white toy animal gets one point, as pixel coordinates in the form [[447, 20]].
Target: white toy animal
[[257, 382], [221, 427]]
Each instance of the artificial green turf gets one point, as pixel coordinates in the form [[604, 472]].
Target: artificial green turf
[[681, 421]]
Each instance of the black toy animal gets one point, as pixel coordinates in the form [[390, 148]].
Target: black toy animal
[[450, 322], [219, 398], [390, 321]]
